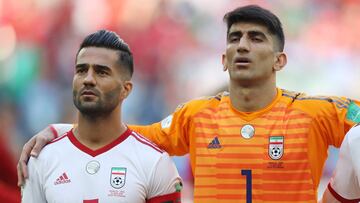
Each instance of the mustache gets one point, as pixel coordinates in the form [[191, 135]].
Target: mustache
[[89, 89]]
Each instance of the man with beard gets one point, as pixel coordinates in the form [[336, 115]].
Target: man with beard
[[257, 142], [101, 159]]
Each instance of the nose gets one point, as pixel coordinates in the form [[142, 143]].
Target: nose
[[243, 45], [90, 78]]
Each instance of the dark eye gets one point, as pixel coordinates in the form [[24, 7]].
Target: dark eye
[[102, 72], [233, 39], [256, 39], [80, 70]]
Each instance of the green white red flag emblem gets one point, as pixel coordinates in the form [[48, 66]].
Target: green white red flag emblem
[[276, 147], [117, 177]]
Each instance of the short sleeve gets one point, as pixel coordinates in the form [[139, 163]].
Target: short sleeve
[[345, 180], [164, 178], [32, 191]]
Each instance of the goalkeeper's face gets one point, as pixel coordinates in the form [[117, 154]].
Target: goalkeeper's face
[[98, 88], [251, 54]]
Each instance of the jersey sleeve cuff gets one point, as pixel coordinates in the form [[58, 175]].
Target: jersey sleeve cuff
[[169, 198], [340, 198]]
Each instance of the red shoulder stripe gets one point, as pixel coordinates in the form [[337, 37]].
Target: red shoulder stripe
[[146, 141], [59, 138]]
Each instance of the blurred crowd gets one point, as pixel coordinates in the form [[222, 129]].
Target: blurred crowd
[[177, 47]]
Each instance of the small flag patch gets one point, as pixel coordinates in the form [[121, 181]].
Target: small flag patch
[[276, 147], [353, 112], [118, 177]]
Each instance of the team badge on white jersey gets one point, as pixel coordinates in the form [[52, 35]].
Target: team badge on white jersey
[[276, 147], [117, 177]]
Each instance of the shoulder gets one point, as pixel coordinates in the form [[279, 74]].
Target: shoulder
[[319, 104], [147, 152], [351, 144], [341, 102], [144, 145], [55, 147], [353, 136]]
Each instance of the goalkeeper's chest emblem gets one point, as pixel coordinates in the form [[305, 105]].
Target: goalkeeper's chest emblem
[[276, 147], [118, 177]]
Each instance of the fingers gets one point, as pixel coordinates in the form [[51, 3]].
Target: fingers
[[39, 144], [22, 164], [21, 179], [32, 148]]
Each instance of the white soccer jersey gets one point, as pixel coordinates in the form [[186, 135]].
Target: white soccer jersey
[[130, 169], [344, 185]]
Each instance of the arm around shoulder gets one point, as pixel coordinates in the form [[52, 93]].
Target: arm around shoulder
[[35, 145], [60, 128]]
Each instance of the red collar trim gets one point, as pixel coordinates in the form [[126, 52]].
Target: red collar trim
[[101, 150]]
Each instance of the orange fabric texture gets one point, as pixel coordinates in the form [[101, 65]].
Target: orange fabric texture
[[285, 155]]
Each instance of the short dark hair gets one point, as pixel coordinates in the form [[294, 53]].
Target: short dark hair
[[256, 14], [109, 39]]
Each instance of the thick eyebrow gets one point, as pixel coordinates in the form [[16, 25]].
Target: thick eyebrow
[[96, 66], [102, 67], [82, 65], [234, 34], [251, 33], [255, 33]]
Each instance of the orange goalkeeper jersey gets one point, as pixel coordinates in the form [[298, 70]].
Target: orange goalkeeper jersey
[[273, 155]]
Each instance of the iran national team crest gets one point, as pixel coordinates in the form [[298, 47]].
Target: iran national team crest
[[276, 147], [117, 177]]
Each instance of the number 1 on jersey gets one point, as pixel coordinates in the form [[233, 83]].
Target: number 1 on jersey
[[247, 173]]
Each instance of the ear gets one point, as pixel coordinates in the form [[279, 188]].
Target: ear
[[280, 61], [224, 62], [127, 88]]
